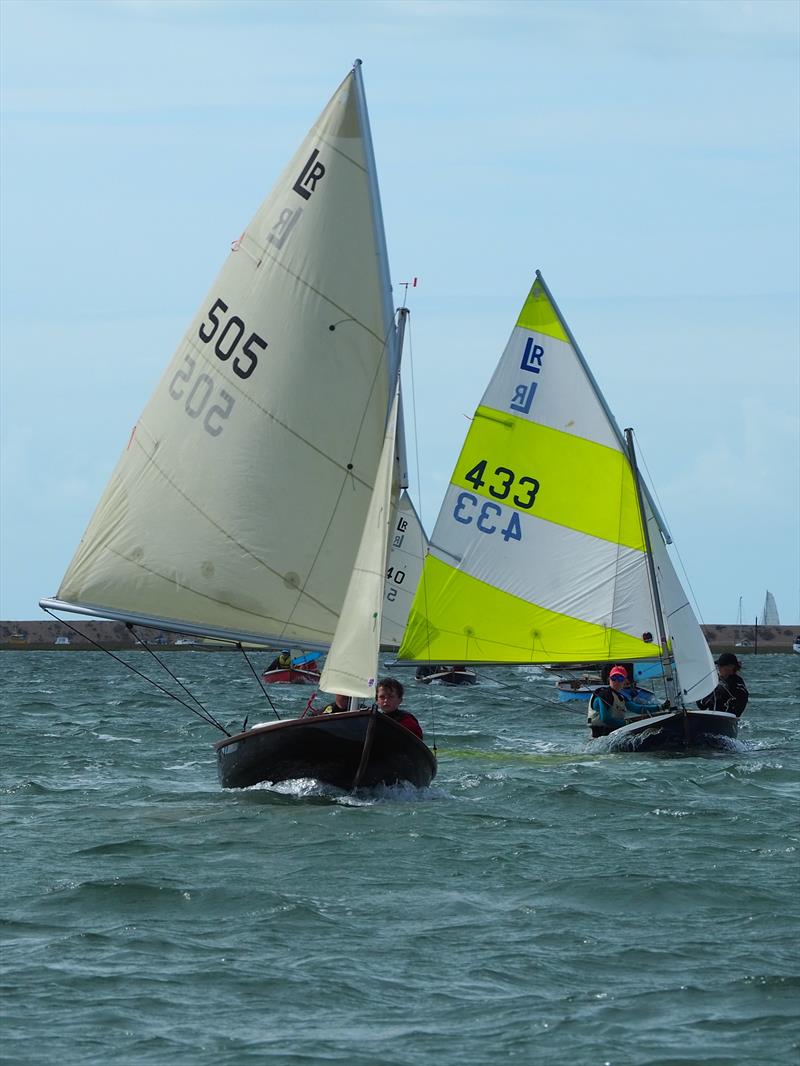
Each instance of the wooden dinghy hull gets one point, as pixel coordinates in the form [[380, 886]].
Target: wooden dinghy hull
[[290, 677], [354, 749], [673, 731]]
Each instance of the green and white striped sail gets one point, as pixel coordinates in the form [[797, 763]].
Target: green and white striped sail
[[538, 553], [237, 508]]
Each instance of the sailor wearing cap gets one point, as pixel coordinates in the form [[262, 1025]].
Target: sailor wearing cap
[[608, 704], [731, 693]]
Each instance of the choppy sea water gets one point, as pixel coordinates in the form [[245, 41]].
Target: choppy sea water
[[543, 902]]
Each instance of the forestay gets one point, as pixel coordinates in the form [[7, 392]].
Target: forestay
[[237, 507], [538, 553]]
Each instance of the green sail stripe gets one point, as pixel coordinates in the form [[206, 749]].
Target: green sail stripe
[[581, 484], [539, 315], [470, 621]]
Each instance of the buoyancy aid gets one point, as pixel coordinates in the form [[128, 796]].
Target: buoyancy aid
[[612, 700]]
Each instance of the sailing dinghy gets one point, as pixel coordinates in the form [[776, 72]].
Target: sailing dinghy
[[548, 549], [254, 499]]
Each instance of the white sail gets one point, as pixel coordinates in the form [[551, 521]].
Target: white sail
[[352, 662], [237, 507], [694, 663], [407, 548], [769, 615]]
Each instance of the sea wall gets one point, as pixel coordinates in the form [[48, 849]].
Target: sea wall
[[82, 635]]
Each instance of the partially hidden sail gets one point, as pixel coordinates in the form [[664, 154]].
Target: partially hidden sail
[[237, 508], [539, 554], [408, 546]]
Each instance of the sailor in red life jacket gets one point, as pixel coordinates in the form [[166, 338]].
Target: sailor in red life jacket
[[389, 695]]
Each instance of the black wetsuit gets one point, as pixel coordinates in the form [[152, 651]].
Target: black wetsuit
[[730, 695]]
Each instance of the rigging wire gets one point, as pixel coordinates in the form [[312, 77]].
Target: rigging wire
[[206, 714], [258, 679], [431, 702], [207, 718]]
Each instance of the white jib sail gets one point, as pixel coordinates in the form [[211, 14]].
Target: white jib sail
[[694, 663], [237, 507], [352, 663], [408, 546]]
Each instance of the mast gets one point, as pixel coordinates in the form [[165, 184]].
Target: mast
[[392, 339], [670, 679]]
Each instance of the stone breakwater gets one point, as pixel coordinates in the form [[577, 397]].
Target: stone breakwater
[[81, 635]]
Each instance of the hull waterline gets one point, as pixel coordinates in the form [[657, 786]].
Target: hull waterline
[[673, 731], [354, 749]]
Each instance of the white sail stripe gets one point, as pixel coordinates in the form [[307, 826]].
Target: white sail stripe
[[563, 397], [560, 569]]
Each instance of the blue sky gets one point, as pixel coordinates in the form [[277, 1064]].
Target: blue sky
[[644, 156]]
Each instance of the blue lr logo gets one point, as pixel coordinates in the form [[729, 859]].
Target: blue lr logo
[[523, 398], [532, 357]]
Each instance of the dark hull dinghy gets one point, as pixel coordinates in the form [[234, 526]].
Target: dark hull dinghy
[[446, 675], [673, 731], [351, 750]]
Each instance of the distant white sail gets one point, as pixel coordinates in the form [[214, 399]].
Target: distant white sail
[[238, 505], [352, 662], [407, 547], [769, 615]]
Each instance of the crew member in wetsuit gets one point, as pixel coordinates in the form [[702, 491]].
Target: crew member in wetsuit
[[340, 703], [731, 693], [389, 695], [607, 704], [282, 662]]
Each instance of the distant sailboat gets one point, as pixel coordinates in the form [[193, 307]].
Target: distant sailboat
[[769, 612], [255, 498], [547, 549]]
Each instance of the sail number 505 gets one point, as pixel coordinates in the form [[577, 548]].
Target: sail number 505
[[228, 332]]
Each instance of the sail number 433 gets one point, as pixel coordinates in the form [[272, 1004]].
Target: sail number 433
[[484, 513]]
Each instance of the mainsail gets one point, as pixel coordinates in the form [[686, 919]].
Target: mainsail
[[539, 553], [237, 508]]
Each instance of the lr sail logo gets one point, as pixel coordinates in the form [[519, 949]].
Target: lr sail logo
[[532, 362], [305, 184], [532, 357], [283, 227], [311, 173]]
